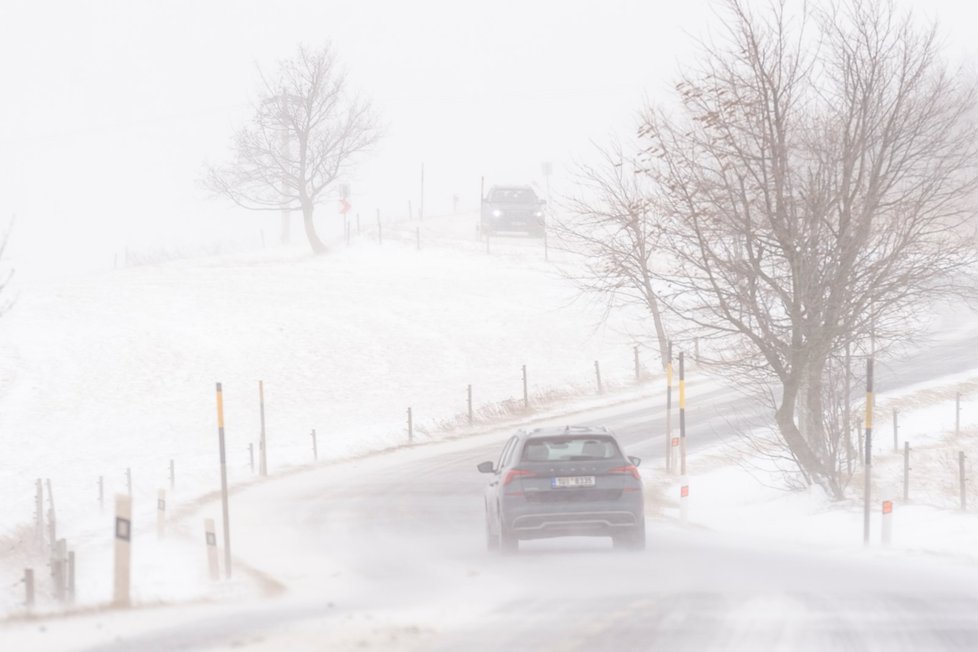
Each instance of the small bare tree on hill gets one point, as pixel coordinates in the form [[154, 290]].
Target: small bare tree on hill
[[307, 132]]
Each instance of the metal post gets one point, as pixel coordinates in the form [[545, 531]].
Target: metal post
[[52, 519], [669, 407], [886, 529], [173, 475], [906, 471], [469, 392], [896, 427], [224, 482], [597, 375], [39, 513], [964, 495], [58, 564], [847, 412], [682, 415], [315, 446], [957, 414], [262, 445], [129, 481], [868, 471], [71, 575], [638, 373], [29, 587], [251, 456], [410, 425], [526, 395]]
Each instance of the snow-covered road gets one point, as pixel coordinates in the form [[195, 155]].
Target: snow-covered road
[[387, 552]]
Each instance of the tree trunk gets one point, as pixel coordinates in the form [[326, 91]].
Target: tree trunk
[[806, 457], [318, 247]]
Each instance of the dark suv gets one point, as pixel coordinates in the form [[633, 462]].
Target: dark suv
[[570, 481], [512, 208]]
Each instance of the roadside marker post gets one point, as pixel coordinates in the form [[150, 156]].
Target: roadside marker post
[[684, 501], [262, 447], [869, 450], [410, 426], [29, 587], [224, 482], [123, 550], [669, 461], [887, 527], [906, 471], [526, 395], [315, 446], [682, 417], [597, 375], [469, 393], [210, 540], [638, 369]]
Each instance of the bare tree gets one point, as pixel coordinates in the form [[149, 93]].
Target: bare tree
[[306, 133], [812, 185], [610, 225]]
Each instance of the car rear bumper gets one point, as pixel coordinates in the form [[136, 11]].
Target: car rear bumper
[[538, 521]]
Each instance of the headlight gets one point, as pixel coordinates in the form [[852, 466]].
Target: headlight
[[497, 213]]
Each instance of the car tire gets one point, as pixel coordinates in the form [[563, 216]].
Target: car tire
[[492, 541], [632, 540], [508, 543]]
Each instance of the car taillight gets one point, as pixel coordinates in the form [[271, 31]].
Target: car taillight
[[512, 474], [627, 469]]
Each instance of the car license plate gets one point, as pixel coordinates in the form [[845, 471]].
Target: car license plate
[[573, 481]]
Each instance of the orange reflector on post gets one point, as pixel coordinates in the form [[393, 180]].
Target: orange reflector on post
[[684, 491], [887, 506]]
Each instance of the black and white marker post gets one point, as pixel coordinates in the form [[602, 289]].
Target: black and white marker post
[[123, 550]]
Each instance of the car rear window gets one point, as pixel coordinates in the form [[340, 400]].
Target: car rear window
[[570, 449]]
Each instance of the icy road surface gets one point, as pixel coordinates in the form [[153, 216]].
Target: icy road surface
[[388, 553]]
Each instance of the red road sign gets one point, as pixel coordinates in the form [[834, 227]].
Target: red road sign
[[344, 207], [684, 491], [887, 507]]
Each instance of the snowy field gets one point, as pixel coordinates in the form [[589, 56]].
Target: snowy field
[[117, 370]]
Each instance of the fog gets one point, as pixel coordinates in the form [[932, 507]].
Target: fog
[[112, 112]]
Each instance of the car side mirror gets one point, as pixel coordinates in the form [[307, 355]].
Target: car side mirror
[[635, 461], [486, 467]]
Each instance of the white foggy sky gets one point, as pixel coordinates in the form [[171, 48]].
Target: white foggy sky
[[111, 108]]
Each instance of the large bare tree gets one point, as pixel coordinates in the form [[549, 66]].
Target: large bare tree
[[307, 132], [812, 182]]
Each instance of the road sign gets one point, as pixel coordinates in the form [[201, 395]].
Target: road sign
[[344, 207]]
